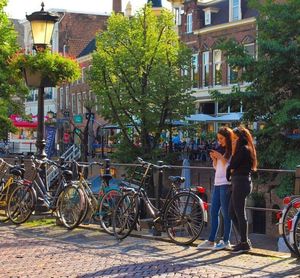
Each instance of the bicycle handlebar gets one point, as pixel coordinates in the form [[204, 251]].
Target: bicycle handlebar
[[143, 162]]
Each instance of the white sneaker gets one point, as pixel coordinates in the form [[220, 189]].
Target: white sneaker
[[206, 245], [222, 245]]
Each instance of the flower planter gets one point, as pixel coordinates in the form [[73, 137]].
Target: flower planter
[[35, 80]]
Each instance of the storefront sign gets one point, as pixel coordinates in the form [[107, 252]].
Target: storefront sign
[[50, 141], [78, 119]]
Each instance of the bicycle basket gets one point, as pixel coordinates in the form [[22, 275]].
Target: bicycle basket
[[138, 178], [4, 168]]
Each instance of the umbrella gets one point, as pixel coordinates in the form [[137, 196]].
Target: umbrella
[[186, 173]]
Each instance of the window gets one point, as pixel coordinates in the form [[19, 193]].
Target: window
[[177, 15], [48, 93], [205, 69], [67, 97], [74, 104], [189, 23], [207, 17], [84, 101], [232, 75], [30, 96], [83, 72], [194, 71], [79, 103], [250, 49], [61, 93], [217, 69], [235, 10]]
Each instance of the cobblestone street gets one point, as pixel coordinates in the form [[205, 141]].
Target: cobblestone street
[[55, 252]]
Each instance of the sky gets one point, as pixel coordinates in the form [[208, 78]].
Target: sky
[[18, 8]]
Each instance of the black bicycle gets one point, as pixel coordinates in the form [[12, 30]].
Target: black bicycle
[[182, 214]]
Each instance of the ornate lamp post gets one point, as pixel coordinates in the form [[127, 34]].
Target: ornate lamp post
[[42, 25]]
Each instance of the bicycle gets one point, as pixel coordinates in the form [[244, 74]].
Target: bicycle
[[98, 208], [182, 214], [15, 173], [295, 229], [24, 199], [285, 220]]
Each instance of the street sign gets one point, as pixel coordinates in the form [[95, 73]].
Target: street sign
[[78, 119], [92, 116]]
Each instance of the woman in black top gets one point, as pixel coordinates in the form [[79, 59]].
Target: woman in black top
[[243, 161]]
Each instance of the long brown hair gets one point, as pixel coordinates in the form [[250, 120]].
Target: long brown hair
[[245, 138], [227, 133]]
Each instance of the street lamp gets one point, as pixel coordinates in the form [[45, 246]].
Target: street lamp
[[42, 25]]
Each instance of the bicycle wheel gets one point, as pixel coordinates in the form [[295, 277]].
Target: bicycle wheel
[[21, 204], [125, 215], [184, 218], [287, 216], [296, 235], [106, 208], [71, 206], [3, 205]]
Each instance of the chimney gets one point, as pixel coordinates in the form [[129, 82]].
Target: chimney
[[128, 9], [117, 6]]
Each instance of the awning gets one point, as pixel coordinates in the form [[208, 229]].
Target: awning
[[200, 118], [231, 117], [18, 121]]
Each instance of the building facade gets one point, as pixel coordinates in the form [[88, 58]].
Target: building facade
[[201, 24]]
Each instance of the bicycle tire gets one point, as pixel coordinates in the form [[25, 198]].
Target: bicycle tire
[[3, 205], [106, 209], [288, 214], [125, 215], [296, 235], [21, 204], [71, 206], [184, 229]]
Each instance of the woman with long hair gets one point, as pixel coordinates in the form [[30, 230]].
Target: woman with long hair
[[242, 163], [221, 191]]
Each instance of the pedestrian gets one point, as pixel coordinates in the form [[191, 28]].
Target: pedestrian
[[221, 192], [242, 163]]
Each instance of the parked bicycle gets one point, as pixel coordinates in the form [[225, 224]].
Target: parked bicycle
[[182, 214], [295, 229], [96, 208], [15, 175], [286, 216], [24, 198]]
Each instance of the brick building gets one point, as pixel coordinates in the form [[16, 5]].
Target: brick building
[[201, 23]]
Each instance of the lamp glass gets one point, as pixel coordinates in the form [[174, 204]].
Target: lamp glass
[[42, 31]]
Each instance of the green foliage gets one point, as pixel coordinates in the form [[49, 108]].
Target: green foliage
[[12, 88], [273, 97], [135, 73], [52, 66]]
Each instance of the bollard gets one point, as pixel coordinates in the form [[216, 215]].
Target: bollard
[[107, 166], [158, 192]]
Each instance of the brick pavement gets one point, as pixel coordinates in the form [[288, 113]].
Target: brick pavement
[[54, 252]]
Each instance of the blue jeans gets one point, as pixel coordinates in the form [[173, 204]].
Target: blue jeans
[[220, 200]]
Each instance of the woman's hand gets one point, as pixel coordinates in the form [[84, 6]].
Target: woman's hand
[[215, 155]]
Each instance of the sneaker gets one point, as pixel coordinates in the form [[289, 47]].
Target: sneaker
[[222, 245], [206, 245], [242, 247]]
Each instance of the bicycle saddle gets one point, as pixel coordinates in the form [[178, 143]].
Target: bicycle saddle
[[177, 179], [68, 175], [17, 171]]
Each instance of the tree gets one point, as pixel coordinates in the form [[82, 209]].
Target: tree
[[10, 86], [137, 75], [274, 94]]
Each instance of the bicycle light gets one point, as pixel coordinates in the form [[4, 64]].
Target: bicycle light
[[289, 224], [296, 205], [278, 215], [201, 189], [205, 205], [287, 200]]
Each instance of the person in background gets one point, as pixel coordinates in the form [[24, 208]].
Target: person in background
[[242, 163], [221, 192]]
